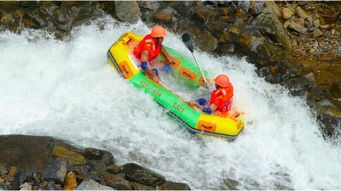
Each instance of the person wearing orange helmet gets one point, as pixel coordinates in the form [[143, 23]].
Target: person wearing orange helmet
[[149, 48], [221, 97]]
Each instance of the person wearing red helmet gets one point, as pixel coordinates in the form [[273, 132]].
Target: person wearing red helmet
[[221, 97], [149, 48]]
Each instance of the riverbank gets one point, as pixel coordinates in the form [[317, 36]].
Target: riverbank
[[46, 163]]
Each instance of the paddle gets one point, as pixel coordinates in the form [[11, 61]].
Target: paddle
[[186, 38]]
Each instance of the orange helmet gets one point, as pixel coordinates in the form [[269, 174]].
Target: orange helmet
[[222, 80], [158, 31]]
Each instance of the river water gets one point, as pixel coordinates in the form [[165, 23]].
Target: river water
[[66, 89]]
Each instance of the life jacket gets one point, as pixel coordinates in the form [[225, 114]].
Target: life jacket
[[149, 44], [222, 98]]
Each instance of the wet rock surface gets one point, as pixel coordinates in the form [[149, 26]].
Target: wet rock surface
[[287, 41], [59, 173]]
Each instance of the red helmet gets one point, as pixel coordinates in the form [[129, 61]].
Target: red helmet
[[158, 31], [222, 80]]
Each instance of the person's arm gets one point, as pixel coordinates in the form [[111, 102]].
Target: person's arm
[[213, 107], [144, 56], [167, 55]]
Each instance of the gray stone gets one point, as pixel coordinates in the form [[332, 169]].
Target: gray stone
[[93, 154], [127, 11], [26, 186], [298, 27], [257, 7], [136, 173], [244, 5], [5, 186], [310, 77], [118, 182], [169, 185], [92, 185], [21, 177], [151, 5], [317, 33], [55, 171], [269, 23]]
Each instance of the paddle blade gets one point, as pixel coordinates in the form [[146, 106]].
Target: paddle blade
[[186, 38]]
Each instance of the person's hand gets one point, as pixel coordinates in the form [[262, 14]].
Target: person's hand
[[171, 60]]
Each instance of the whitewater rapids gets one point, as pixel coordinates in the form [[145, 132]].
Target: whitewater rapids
[[67, 89]]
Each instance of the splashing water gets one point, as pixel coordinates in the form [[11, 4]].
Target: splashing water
[[66, 89]]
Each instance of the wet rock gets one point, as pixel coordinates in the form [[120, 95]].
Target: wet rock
[[298, 86], [92, 185], [274, 7], [31, 5], [206, 41], [310, 77], [151, 5], [71, 157], [5, 186], [217, 28], [297, 27], [317, 33], [202, 14], [21, 177], [224, 11], [302, 13], [329, 122], [137, 186], [136, 173], [183, 7], [114, 169], [312, 29], [127, 11], [269, 53], [244, 5], [269, 24], [256, 7], [3, 171], [117, 182], [225, 48], [317, 94], [15, 148], [93, 154], [70, 181], [33, 21], [169, 185], [26, 186], [287, 13], [55, 171], [12, 171], [6, 18], [165, 15]]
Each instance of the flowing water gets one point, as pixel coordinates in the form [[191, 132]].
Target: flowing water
[[66, 89]]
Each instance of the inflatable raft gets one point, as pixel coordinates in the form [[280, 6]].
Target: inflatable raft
[[120, 56]]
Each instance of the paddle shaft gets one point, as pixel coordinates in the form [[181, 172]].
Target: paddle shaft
[[202, 73]]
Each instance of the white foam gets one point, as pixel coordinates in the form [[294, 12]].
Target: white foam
[[67, 90]]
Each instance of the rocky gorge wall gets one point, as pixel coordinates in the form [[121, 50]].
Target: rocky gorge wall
[[45, 163], [295, 44]]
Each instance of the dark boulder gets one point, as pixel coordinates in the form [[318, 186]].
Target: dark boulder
[[55, 171], [136, 173], [117, 182], [169, 185]]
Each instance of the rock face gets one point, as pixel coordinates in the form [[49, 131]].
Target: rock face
[[30, 162], [127, 11]]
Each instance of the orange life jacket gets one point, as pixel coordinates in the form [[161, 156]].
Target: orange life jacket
[[222, 98], [149, 44]]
